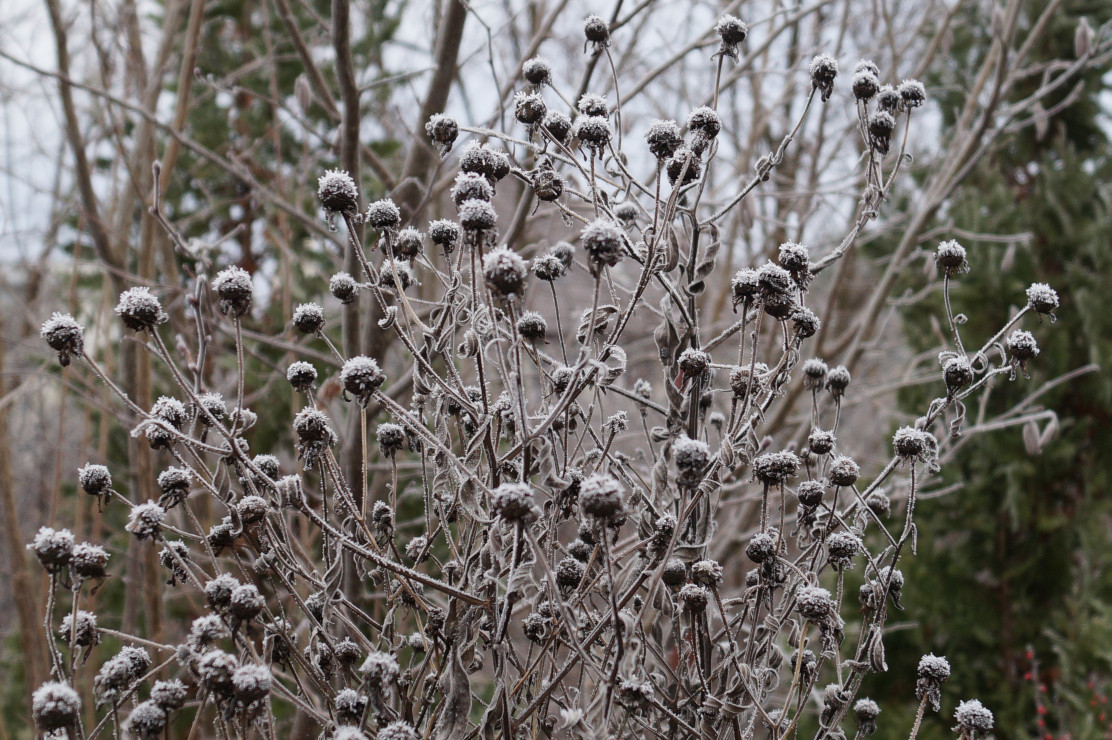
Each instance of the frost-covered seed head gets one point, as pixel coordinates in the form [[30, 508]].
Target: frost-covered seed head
[[548, 184], [513, 502], [308, 318], [814, 373], [137, 660], [383, 215], [174, 483], [95, 480], [251, 683], [361, 376], [810, 493], [603, 241], [683, 164], [774, 468], [674, 574], [692, 457], [145, 521], [529, 108], [591, 104], [746, 285], [55, 706], [865, 85], [596, 31], [445, 233], [569, 574], [471, 186], [694, 363], [773, 280], [973, 717], [707, 573], [912, 94], [866, 711], [86, 630], [663, 138], [600, 497], [218, 591], [252, 509], [170, 695], [761, 547], [215, 670], [214, 404], [881, 125], [957, 372], [350, 706], [592, 131], [532, 326], [824, 68], [337, 192], [558, 125], [950, 257], [140, 310], [147, 721], [505, 273], [380, 670], [914, 444], [537, 71], [343, 288], [815, 604], [1042, 298], [548, 268], [565, 252], [805, 323], [841, 548], [245, 602], [477, 215], [64, 335], [733, 32], [302, 376], [887, 99], [489, 162], [442, 131], [843, 471], [866, 65], [348, 732], [820, 441], [88, 561], [234, 289], [1022, 345], [408, 244], [694, 598], [207, 629], [634, 694], [796, 259], [934, 668], [837, 380], [704, 125], [390, 438]]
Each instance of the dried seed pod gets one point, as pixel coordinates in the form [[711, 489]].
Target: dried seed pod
[[65, 336]]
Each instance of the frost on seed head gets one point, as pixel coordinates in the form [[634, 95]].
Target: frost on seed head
[[140, 310], [337, 193], [53, 548], [64, 335], [824, 68], [973, 718], [55, 706], [505, 273], [233, 287]]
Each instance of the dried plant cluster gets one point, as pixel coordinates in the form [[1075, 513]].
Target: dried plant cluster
[[578, 540]]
